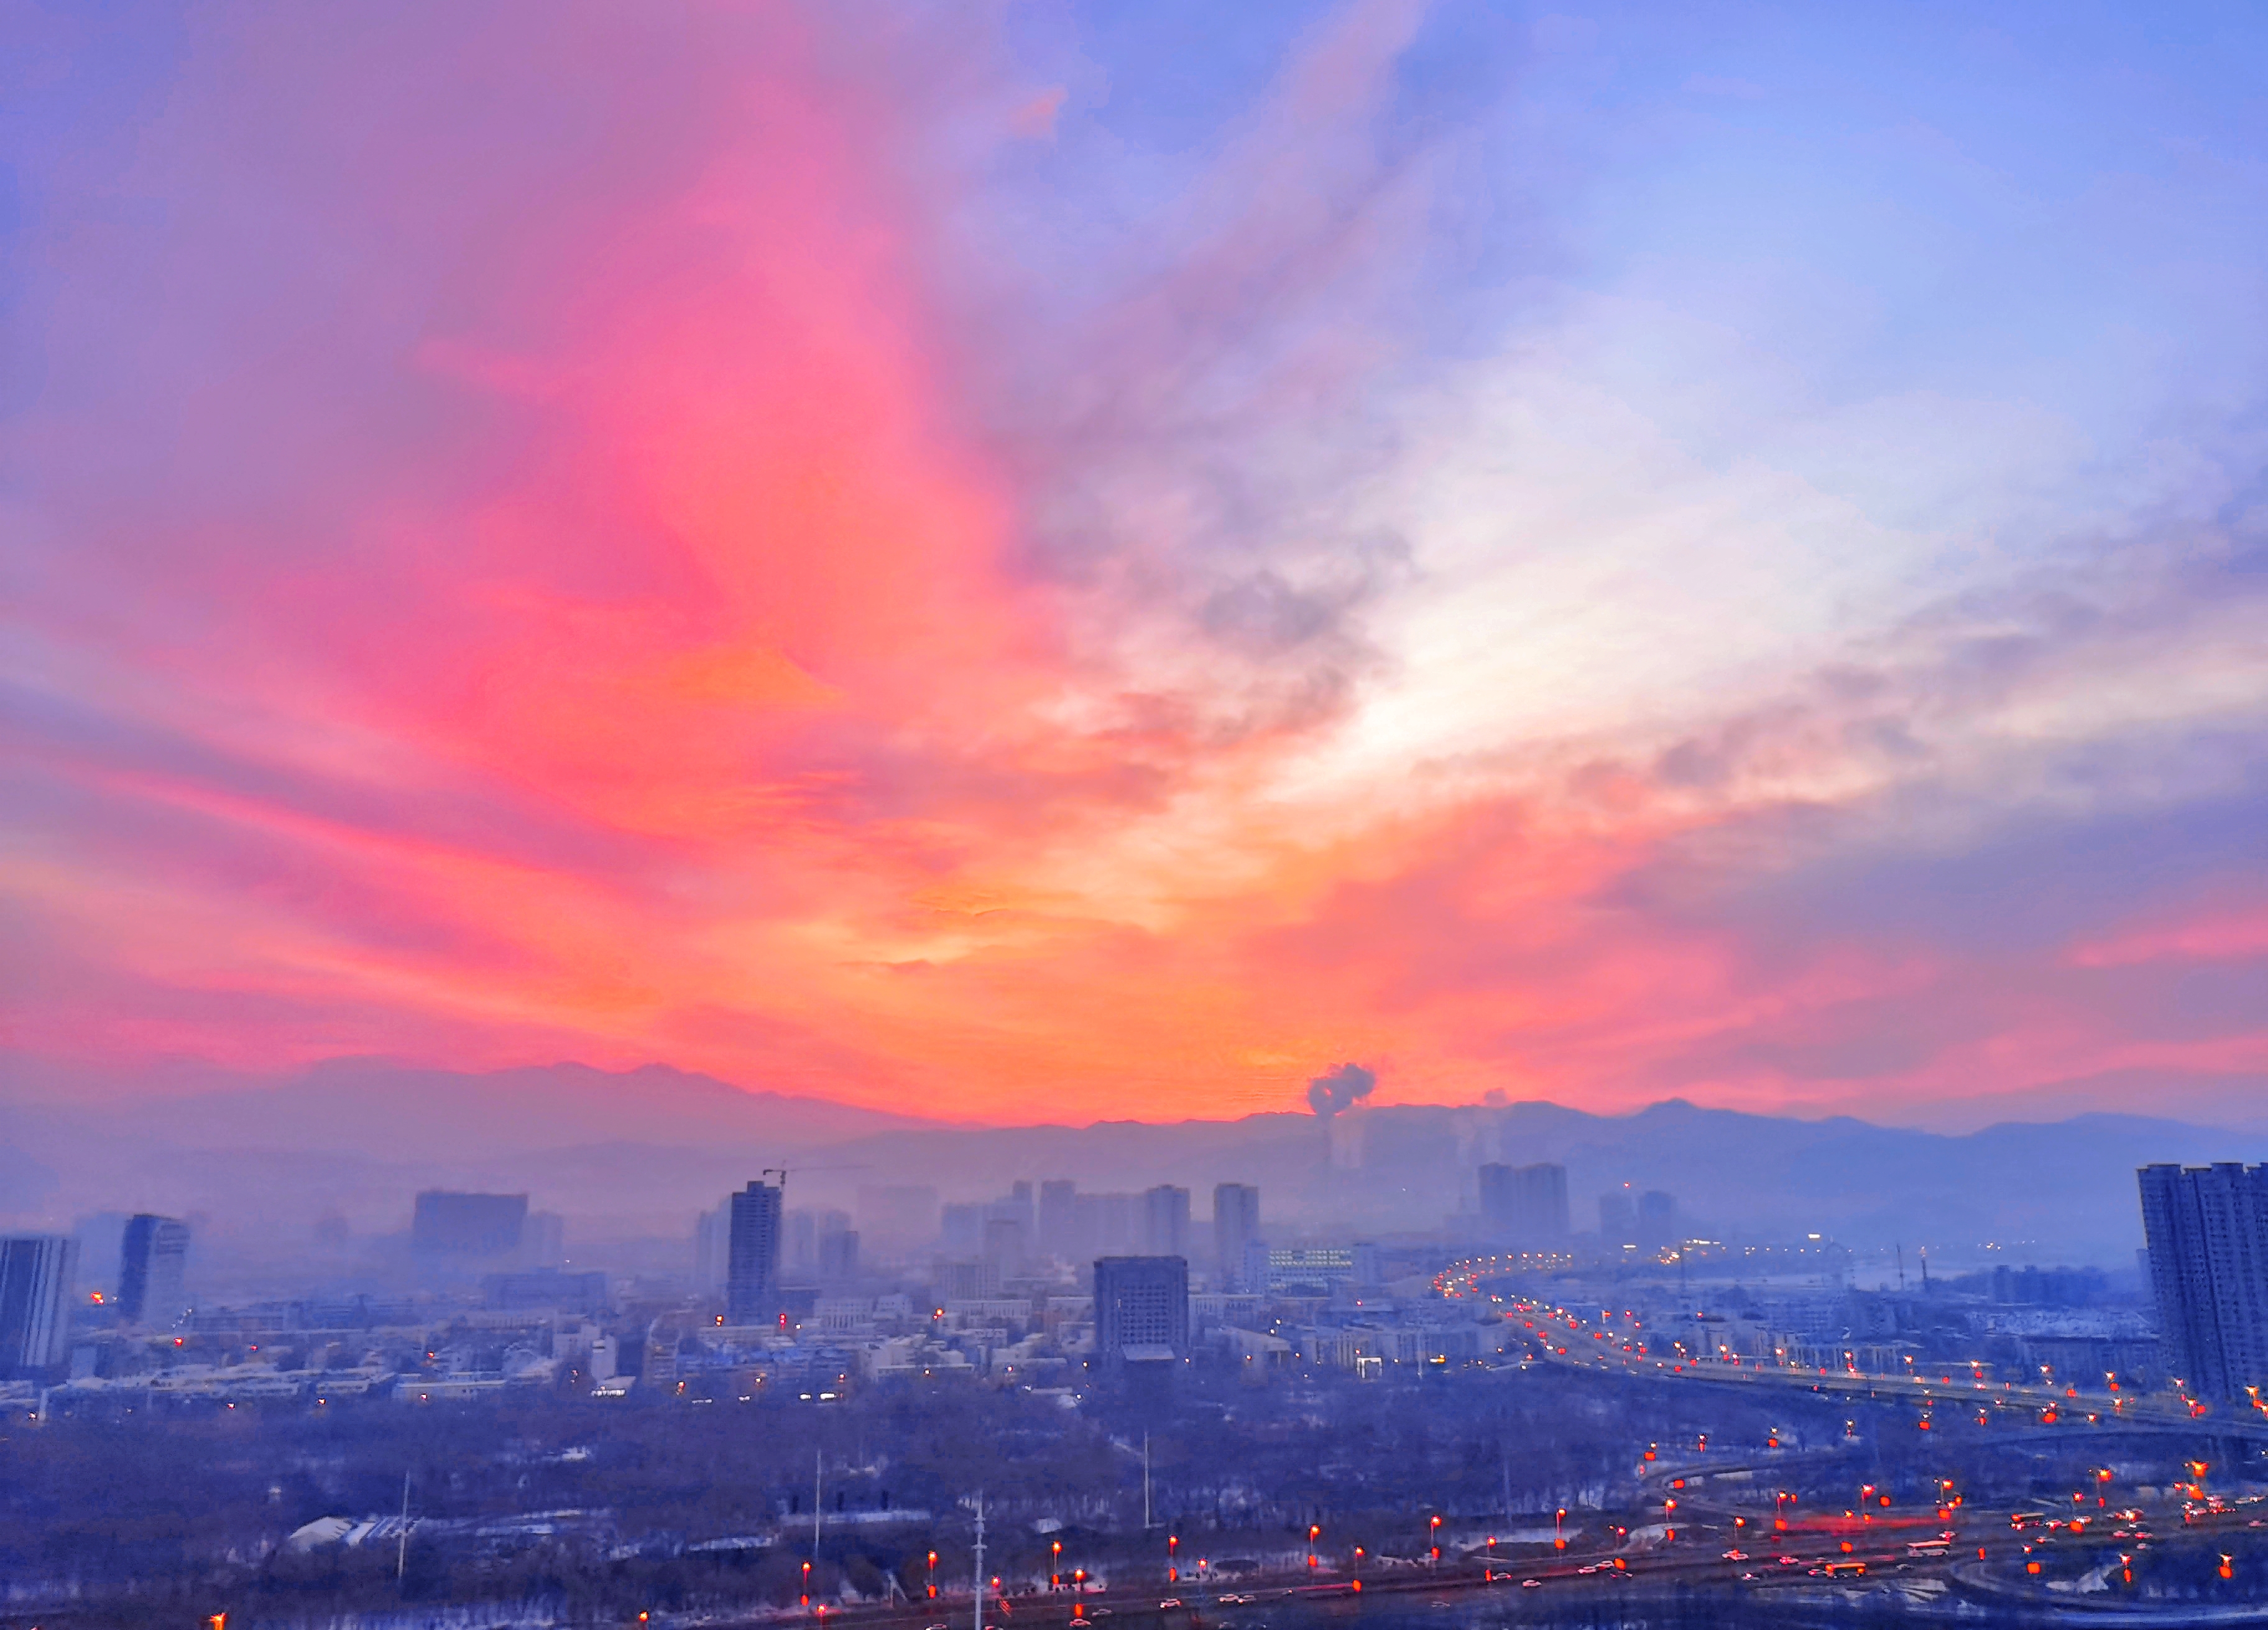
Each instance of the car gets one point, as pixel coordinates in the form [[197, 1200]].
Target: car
[[1736, 1556], [1100, 1612], [1171, 1601], [1531, 1584], [1588, 1568], [1790, 1561]]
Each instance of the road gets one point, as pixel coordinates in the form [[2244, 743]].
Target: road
[[1563, 1336]]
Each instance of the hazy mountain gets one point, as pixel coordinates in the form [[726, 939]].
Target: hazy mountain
[[358, 1137], [638, 1152]]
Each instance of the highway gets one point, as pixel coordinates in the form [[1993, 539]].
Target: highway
[[1930, 1556], [1947, 1558], [1561, 1335]]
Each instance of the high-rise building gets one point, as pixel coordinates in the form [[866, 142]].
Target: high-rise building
[[101, 1240], [153, 1266], [895, 1217], [967, 1281], [1235, 1225], [800, 1252], [1165, 1221], [1058, 1221], [838, 1248], [544, 1242], [1003, 1245], [1524, 1206], [1657, 1220], [35, 1298], [2207, 1229], [446, 1224], [752, 1271], [712, 1247], [1617, 1218], [808, 1230], [961, 1227], [1107, 1225], [1141, 1311], [1495, 1183]]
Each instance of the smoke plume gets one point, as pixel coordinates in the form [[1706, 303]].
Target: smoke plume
[[1340, 1088]]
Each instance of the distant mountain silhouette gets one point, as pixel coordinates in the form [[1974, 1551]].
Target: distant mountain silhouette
[[637, 1153], [360, 1136]]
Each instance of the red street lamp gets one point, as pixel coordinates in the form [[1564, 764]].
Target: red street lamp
[[933, 1576], [1558, 1533], [1433, 1533]]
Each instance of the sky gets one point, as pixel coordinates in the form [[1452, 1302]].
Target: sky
[[1059, 562]]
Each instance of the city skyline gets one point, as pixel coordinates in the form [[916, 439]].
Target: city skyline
[[1303, 815], [1105, 565]]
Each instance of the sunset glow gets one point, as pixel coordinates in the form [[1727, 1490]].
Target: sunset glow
[[1011, 571]]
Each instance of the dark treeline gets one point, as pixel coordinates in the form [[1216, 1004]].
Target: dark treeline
[[599, 1509]]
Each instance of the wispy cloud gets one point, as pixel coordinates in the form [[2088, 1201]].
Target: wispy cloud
[[1054, 570]]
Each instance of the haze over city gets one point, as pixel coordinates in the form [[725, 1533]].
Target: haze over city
[[1317, 815]]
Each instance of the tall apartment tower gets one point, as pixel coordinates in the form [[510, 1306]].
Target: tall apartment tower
[[1524, 1206], [1057, 1219], [1141, 1311], [752, 1271], [1166, 1220], [712, 1247], [36, 1294], [1235, 1227], [153, 1266], [1617, 1218], [1657, 1220], [2207, 1229], [471, 1226]]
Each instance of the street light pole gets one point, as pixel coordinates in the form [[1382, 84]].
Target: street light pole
[[978, 1622]]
